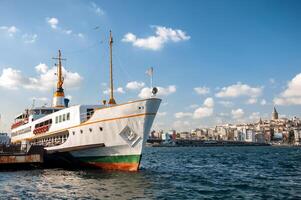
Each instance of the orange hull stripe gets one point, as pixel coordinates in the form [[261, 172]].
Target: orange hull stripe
[[117, 166]]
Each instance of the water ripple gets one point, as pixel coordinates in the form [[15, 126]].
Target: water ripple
[[172, 173]]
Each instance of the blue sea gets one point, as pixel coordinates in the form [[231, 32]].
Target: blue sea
[[171, 173]]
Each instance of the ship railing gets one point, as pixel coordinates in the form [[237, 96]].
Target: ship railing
[[13, 148], [53, 141], [19, 123], [42, 129]]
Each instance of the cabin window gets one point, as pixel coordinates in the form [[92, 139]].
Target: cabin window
[[68, 116], [56, 119], [90, 129], [100, 128], [90, 112], [64, 117], [81, 131], [60, 118]]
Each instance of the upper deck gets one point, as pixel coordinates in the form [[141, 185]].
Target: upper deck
[[30, 115], [45, 120]]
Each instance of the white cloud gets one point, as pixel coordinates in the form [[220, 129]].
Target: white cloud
[[251, 101], [179, 115], [120, 90], [69, 97], [206, 110], [68, 32], [201, 90], [209, 102], [226, 103], [162, 36], [29, 38], [80, 35], [41, 68], [146, 92], [44, 99], [239, 89], [164, 103], [255, 116], [12, 79], [161, 114], [10, 30], [46, 79], [53, 22], [135, 85], [26, 37], [292, 94], [263, 102], [202, 112], [238, 113], [99, 11], [117, 90], [181, 125], [223, 114], [193, 106]]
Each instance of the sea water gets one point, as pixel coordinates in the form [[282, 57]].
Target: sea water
[[171, 173]]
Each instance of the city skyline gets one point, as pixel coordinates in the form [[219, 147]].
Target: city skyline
[[231, 64]]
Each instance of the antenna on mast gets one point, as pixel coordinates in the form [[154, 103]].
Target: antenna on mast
[[112, 100]]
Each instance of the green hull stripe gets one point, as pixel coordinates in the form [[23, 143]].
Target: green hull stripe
[[112, 159]]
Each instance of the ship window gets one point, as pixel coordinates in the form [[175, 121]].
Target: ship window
[[64, 117], [90, 129], [56, 119], [81, 131], [100, 128], [73, 132], [60, 118], [68, 116]]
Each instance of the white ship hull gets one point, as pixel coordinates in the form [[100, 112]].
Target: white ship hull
[[112, 138]]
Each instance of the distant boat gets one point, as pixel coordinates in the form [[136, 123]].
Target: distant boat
[[109, 136]]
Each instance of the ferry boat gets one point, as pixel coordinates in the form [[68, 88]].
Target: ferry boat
[[109, 136]]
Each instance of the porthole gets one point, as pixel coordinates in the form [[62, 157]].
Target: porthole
[[100, 128]]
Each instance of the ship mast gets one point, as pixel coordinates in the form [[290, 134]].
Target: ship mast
[[59, 96], [60, 80], [112, 100]]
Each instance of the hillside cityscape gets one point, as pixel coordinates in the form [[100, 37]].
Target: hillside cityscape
[[275, 130]]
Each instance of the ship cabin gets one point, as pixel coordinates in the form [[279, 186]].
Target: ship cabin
[[47, 125], [32, 114]]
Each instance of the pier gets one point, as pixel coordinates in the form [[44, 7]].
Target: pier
[[20, 156]]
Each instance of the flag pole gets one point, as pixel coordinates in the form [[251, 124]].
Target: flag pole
[[151, 79]]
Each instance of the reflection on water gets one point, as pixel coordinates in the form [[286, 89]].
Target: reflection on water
[[171, 173], [62, 184]]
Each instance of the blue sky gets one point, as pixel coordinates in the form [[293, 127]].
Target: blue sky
[[214, 61]]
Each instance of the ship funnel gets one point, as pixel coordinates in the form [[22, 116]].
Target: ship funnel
[[66, 102]]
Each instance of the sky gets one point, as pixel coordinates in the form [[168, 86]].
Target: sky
[[215, 62]]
